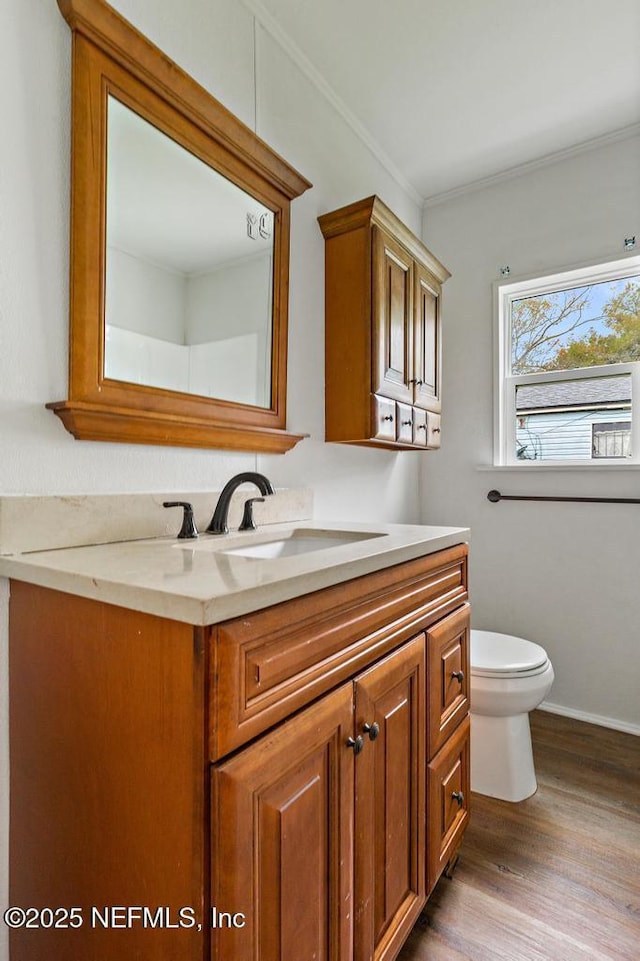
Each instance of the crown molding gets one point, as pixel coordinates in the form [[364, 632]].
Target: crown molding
[[614, 136], [270, 24], [282, 38]]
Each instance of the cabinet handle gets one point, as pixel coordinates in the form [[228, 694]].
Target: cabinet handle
[[388, 417], [422, 426], [357, 744], [458, 796], [418, 383], [248, 523], [407, 423], [188, 529], [436, 430], [459, 675], [372, 730]]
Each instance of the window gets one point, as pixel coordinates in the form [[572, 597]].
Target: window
[[611, 440], [568, 367]]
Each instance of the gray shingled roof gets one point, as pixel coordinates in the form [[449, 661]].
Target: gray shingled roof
[[593, 391]]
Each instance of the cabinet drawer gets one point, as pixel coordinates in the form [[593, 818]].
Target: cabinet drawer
[[448, 659], [419, 427], [448, 802], [433, 430], [268, 664], [384, 418], [404, 423]]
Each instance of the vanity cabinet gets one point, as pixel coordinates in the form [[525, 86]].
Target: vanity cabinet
[[286, 784], [331, 804], [382, 330]]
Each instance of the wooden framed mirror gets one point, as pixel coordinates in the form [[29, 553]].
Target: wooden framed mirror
[[179, 254]]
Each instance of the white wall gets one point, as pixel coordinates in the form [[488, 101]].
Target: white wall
[[213, 40], [564, 575], [144, 297]]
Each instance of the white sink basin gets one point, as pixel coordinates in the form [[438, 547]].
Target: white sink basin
[[296, 541], [300, 542]]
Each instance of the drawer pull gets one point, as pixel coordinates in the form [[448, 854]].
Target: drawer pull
[[459, 675], [422, 426], [458, 796], [387, 417], [357, 744], [436, 430], [372, 730]]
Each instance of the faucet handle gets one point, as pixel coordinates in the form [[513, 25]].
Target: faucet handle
[[248, 523], [188, 529]]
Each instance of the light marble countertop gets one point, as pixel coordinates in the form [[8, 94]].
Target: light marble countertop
[[198, 582]]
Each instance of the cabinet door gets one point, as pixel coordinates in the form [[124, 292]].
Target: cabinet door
[[390, 802], [427, 349], [282, 820], [392, 332]]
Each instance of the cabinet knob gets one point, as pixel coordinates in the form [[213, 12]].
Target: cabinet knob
[[436, 430], [418, 383], [407, 423], [372, 730], [422, 426], [388, 417], [459, 675], [458, 796], [356, 743]]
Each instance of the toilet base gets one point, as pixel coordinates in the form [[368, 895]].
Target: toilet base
[[502, 757]]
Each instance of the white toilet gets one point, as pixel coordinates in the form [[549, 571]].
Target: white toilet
[[509, 678]]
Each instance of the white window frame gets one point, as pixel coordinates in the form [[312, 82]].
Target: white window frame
[[505, 383]]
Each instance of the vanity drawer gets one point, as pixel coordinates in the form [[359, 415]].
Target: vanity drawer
[[266, 665], [448, 672], [448, 802]]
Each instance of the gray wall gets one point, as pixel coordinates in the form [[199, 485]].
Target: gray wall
[[564, 575]]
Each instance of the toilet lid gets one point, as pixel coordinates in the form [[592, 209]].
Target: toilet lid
[[502, 654]]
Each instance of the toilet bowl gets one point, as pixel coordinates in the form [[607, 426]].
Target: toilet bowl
[[509, 678]]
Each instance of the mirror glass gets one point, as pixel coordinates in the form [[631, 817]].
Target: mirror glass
[[189, 270]]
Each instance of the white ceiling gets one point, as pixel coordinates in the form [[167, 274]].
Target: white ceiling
[[452, 92]]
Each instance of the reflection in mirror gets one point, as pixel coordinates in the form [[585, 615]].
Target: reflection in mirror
[[189, 267]]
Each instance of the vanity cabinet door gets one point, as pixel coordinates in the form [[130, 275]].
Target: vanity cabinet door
[[392, 318], [282, 841], [390, 801]]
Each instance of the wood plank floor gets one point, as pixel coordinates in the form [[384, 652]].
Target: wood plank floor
[[556, 877]]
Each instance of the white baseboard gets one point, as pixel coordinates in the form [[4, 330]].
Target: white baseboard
[[613, 722]]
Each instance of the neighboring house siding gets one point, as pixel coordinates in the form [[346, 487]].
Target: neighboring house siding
[[564, 435]]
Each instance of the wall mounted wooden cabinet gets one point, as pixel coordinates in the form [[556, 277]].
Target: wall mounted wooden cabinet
[[302, 769], [179, 254], [382, 330]]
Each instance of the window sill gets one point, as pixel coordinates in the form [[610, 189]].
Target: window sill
[[579, 468]]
